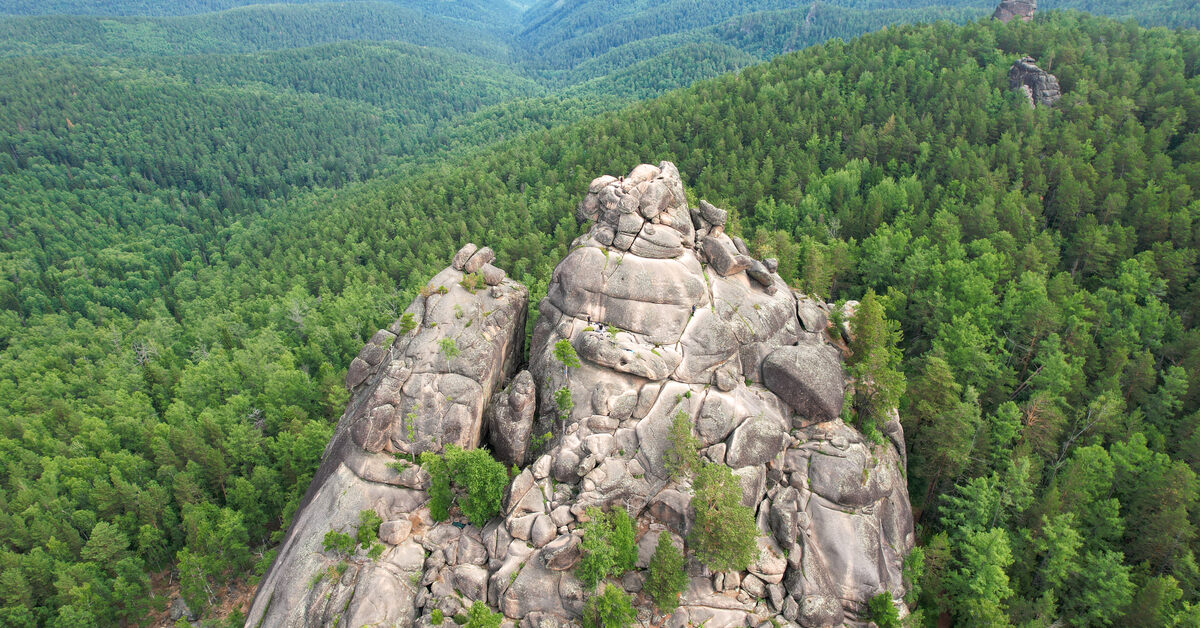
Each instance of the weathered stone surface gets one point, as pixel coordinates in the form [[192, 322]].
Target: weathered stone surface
[[755, 441], [657, 243], [626, 357], [1009, 9], [534, 590], [483, 256], [357, 373], [463, 254], [510, 419], [562, 554], [395, 532], [722, 257], [812, 317], [542, 532], [714, 216], [492, 276], [1039, 86], [759, 273], [808, 378], [421, 398], [672, 508], [658, 337]]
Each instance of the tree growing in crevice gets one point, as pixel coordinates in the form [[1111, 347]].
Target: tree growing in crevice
[[724, 533], [682, 456], [666, 578], [608, 546], [479, 479], [874, 364]]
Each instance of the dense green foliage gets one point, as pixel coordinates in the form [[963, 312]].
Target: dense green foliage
[[469, 9], [666, 577], [611, 609], [874, 363], [882, 612], [179, 303], [565, 353], [480, 616], [470, 478], [249, 29], [724, 534], [607, 548]]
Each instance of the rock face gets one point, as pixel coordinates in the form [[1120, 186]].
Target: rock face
[[1020, 9], [1039, 86], [419, 385], [667, 314]]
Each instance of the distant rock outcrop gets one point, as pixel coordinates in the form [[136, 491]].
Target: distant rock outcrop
[[1009, 9], [1039, 86], [668, 315]]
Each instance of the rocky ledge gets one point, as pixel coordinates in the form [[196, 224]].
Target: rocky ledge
[[668, 315]]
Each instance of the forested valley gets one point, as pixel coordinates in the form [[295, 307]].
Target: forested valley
[[205, 215]]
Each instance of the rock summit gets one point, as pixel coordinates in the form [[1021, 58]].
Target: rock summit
[[668, 315]]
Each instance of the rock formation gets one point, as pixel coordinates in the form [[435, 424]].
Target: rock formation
[[419, 385], [667, 314], [1039, 86], [1009, 9]]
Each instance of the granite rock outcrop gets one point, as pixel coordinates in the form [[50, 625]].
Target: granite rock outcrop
[[1009, 10], [668, 315], [1039, 86]]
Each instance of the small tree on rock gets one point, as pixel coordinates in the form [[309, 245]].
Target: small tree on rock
[[475, 472], [607, 546], [667, 578], [724, 534], [874, 364], [682, 456], [611, 609]]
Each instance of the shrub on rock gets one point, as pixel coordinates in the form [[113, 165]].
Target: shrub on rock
[[480, 616], [682, 456]]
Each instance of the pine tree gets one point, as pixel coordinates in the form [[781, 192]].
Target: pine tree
[[874, 363]]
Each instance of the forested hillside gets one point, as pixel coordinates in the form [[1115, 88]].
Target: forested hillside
[[190, 259], [560, 34], [1041, 265], [481, 10], [250, 29]]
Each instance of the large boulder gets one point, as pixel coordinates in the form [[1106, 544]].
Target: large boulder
[[510, 419], [809, 378], [706, 332]]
